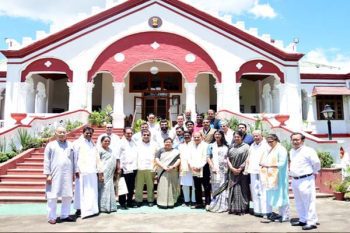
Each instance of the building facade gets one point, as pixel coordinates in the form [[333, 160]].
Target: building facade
[[165, 57]]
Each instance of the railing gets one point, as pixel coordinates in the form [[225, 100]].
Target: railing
[[35, 124]]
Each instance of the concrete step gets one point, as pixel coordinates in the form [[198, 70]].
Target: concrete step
[[22, 192], [25, 171], [37, 155], [30, 165], [22, 184], [34, 160], [21, 199], [22, 178]]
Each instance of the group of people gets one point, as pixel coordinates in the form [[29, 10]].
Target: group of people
[[233, 168]]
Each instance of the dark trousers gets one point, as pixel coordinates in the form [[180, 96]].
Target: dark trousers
[[205, 182], [130, 183]]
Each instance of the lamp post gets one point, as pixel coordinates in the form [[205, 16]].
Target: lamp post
[[328, 114]]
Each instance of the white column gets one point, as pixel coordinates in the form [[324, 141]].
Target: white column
[[118, 105], [74, 95], [191, 98], [89, 88], [40, 98], [30, 95], [9, 105], [275, 92], [282, 98], [310, 110], [275, 100], [20, 94], [220, 96]]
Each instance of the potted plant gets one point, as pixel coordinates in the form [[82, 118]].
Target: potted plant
[[327, 174], [340, 189]]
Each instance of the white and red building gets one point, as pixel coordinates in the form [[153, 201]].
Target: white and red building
[[158, 55]]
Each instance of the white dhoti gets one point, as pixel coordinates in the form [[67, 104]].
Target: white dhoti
[[88, 195], [259, 196], [305, 199], [77, 194], [52, 208]]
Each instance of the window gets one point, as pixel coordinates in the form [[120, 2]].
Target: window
[[161, 82], [336, 103]]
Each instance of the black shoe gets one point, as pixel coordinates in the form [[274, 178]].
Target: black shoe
[[123, 207], [309, 227], [150, 204], [131, 205], [298, 224], [68, 219], [78, 213], [138, 204]]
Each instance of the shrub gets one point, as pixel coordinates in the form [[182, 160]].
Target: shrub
[[325, 158], [233, 123]]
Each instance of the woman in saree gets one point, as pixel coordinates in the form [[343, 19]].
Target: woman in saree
[[217, 160], [238, 183], [168, 160], [106, 193], [274, 177]]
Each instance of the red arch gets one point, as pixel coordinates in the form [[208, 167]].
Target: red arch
[[252, 67], [137, 49], [47, 65]]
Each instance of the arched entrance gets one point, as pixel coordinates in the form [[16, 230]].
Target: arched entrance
[[160, 93], [129, 61], [47, 93], [259, 90]]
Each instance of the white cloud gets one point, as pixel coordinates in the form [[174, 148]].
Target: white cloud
[[263, 11], [58, 13], [329, 57], [234, 7], [61, 14]]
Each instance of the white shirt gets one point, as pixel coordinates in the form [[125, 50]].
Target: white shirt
[[304, 161], [256, 151], [154, 128], [128, 155], [229, 136], [145, 155], [198, 157]]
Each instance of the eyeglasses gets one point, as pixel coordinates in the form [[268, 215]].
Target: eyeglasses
[[270, 141], [109, 127]]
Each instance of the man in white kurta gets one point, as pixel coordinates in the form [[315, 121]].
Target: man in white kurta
[[146, 150], [186, 178], [59, 170], [198, 159], [88, 165], [304, 165], [115, 139], [256, 151], [128, 164]]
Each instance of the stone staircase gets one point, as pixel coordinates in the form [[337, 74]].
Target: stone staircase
[[26, 182]]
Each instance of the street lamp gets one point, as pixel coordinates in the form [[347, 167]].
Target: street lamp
[[328, 114]]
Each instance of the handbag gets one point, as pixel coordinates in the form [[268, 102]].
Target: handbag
[[122, 188]]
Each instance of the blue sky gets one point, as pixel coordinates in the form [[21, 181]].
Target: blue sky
[[321, 25]]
